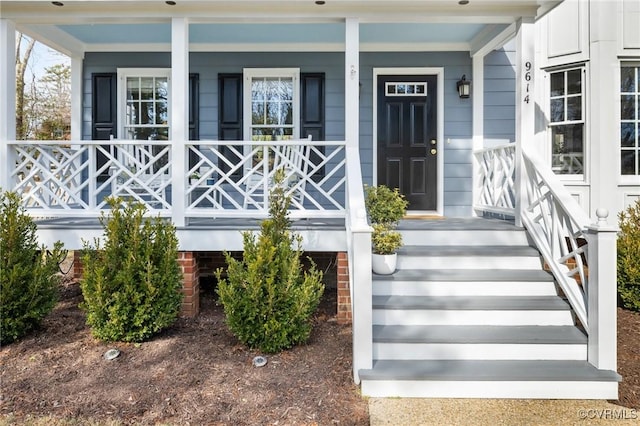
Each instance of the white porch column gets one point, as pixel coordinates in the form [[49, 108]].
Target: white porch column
[[360, 270], [602, 293], [477, 99], [179, 116], [7, 100], [352, 82], [76, 97], [604, 108], [525, 104]]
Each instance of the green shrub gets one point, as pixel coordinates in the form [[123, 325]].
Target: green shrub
[[132, 286], [268, 300], [384, 205], [27, 271], [629, 257], [385, 240]]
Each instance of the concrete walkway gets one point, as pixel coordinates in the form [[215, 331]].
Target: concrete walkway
[[494, 412]]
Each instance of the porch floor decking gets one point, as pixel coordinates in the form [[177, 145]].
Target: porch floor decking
[[202, 234]]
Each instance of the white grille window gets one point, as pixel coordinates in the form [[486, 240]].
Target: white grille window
[[630, 120], [567, 121]]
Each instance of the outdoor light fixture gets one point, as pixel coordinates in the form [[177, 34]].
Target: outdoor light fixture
[[464, 87]]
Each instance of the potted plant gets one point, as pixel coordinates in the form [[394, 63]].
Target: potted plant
[[385, 243], [193, 179], [385, 207]]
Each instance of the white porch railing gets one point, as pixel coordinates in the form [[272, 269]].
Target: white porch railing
[[553, 218], [73, 178], [235, 176]]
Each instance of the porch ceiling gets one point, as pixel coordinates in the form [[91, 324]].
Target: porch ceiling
[[89, 25]]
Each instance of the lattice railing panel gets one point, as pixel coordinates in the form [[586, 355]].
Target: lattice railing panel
[[496, 179], [51, 176], [234, 177]]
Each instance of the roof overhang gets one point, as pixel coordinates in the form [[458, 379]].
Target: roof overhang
[[80, 26]]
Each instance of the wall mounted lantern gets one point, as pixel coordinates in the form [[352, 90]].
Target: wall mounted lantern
[[464, 87]]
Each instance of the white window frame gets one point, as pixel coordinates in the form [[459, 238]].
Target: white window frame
[[249, 74], [123, 74], [635, 178], [578, 177]]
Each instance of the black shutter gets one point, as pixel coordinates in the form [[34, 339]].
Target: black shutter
[[103, 113], [312, 112], [194, 107], [230, 115], [194, 115]]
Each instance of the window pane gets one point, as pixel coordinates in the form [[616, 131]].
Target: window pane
[[574, 82], [162, 113], [557, 110], [557, 84], [627, 79], [132, 113], [628, 162], [162, 89], [628, 134], [273, 113], [257, 89], [568, 152], [146, 88], [257, 113], [574, 108], [628, 107], [271, 134], [147, 113], [133, 89]]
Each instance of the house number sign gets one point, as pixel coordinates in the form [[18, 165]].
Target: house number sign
[[527, 80]]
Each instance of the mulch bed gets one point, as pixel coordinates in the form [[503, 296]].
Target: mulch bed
[[196, 372]]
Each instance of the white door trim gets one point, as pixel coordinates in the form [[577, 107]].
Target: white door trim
[[439, 73]]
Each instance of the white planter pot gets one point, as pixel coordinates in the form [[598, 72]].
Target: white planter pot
[[384, 264]]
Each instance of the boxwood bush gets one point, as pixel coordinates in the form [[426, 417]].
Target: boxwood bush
[[28, 272], [132, 285], [629, 257], [268, 299]]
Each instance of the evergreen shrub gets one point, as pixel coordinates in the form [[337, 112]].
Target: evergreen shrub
[[268, 299], [629, 257], [132, 286], [28, 272]]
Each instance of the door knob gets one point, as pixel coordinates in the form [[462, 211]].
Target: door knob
[[433, 151]]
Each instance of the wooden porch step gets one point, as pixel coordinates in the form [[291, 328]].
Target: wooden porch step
[[396, 342], [465, 282], [467, 310], [563, 379], [468, 257]]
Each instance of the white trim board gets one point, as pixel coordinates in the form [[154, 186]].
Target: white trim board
[[439, 73]]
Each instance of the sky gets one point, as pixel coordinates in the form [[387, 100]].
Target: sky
[[41, 58]]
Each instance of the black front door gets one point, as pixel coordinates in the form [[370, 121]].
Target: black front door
[[407, 131]]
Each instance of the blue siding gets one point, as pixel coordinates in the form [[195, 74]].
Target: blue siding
[[499, 91], [457, 114]]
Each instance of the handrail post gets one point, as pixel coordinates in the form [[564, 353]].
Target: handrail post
[[602, 292]]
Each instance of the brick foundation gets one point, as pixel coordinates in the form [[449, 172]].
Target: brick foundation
[[190, 284], [344, 296], [77, 265]]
